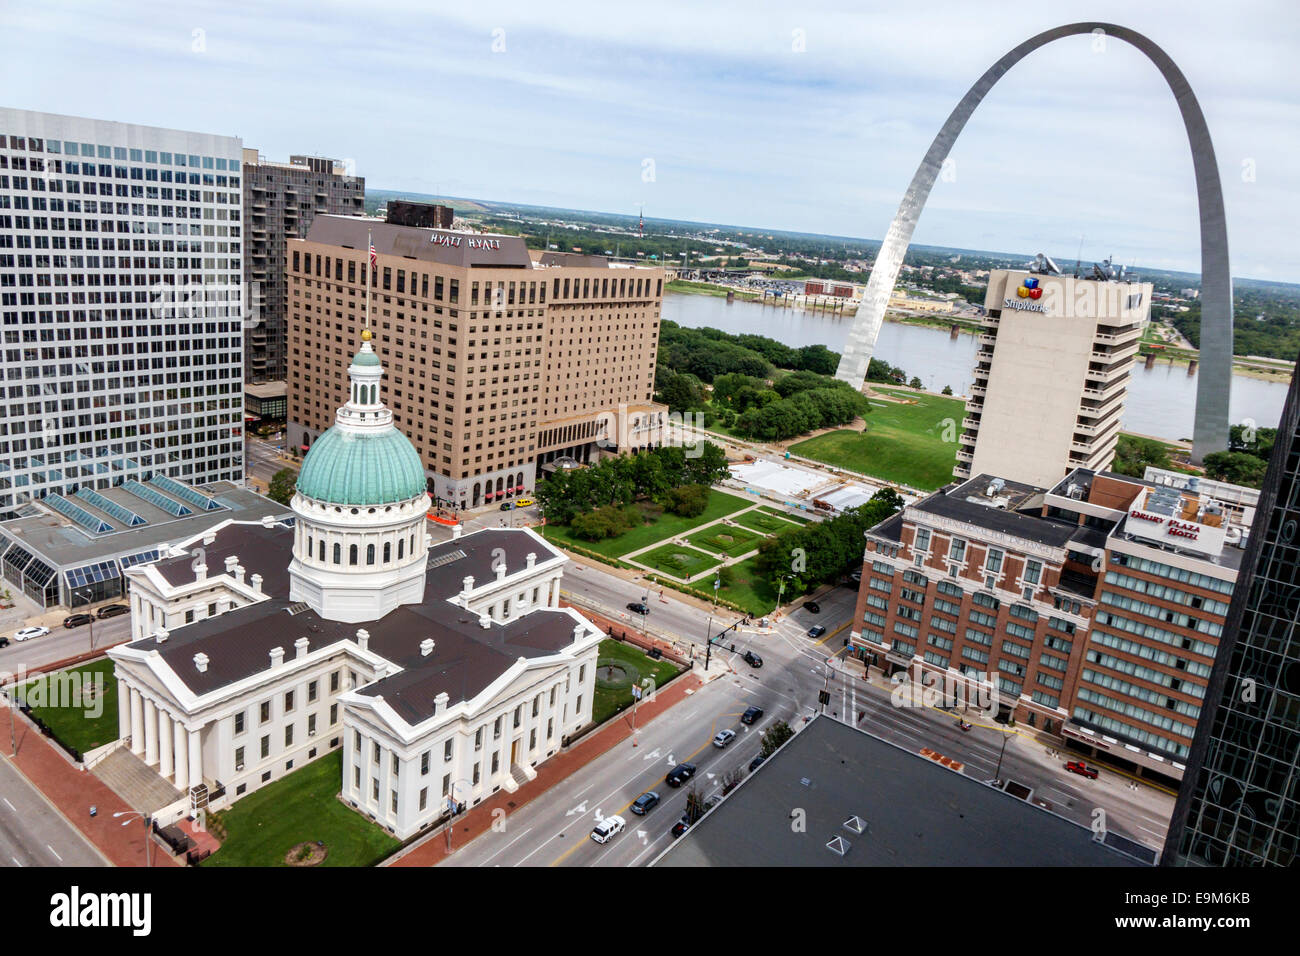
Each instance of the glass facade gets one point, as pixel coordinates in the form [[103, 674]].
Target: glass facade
[[1240, 800]]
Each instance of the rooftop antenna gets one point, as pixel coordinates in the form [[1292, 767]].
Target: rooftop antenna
[[1078, 259]]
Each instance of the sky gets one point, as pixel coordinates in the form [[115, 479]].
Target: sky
[[809, 117]]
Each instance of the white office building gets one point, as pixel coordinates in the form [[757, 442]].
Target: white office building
[[120, 305]]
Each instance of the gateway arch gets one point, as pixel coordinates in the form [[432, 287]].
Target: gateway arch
[[1211, 429]]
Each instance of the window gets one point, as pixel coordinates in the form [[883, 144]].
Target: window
[[334, 714], [288, 735], [393, 802], [478, 739], [264, 712], [496, 761], [424, 798], [266, 746], [288, 701], [239, 722], [375, 755], [424, 764], [476, 774], [922, 540], [446, 785], [397, 765], [312, 691], [239, 758], [519, 714], [446, 750], [311, 725], [356, 779], [496, 729]]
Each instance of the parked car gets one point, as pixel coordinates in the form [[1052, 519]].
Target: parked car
[[680, 827], [506, 506], [1082, 769], [751, 714], [4, 642], [812, 607], [817, 630], [756, 762], [636, 607], [27, 633], [113, 610], [76, 620], [608, 828], [723, 737], [752, 659], [680, 774], [524, 502], [645, 803]]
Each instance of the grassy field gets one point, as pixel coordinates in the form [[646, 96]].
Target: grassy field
[[79, 705], [902, 442], [614, 691], [748, 589], [664, 526], [678, 561], [705, 288], [788, 516], [722, 539], [263, 826]]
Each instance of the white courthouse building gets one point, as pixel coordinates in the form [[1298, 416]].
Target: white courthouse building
[[443, 673]]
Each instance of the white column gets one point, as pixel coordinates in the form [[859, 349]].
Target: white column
[[123, 709], [182, 755], [166, 754], [137, 722], [150, 732], [196, 759]]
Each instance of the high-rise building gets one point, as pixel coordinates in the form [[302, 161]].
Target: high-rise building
[[1094, 609], [501, 362], [120, 296], [1055, 355], [280, 202], [1240, 803]]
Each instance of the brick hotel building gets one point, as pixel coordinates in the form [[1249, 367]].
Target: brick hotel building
[[1096, 605], [500, 361]]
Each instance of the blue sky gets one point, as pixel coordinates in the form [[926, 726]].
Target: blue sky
[[764, 115]]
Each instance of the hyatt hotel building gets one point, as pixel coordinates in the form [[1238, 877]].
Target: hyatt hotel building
[[500, 362], [1095, 608]]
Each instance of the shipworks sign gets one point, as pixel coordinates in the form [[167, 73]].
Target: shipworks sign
[[1026, 297]]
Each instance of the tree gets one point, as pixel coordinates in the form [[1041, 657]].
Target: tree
[[915, 382], [1133, 454], [947, 390], [1236, 467], [687, 501], [282, 485], [774, 737]]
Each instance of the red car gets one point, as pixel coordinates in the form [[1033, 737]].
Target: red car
[[1082, 769]]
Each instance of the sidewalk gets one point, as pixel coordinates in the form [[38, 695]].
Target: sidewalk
[[72, 791], [432, 849]]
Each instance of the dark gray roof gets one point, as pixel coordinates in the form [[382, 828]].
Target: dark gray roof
[[952, 504], [466, 248], [465, 659], [916, 812], [891, 528], [260, 550]]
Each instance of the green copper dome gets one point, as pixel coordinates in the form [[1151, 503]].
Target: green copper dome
[[365, 358], [358, 468]]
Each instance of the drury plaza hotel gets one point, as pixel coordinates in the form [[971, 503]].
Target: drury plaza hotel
[[501, 362], [1092, 609]]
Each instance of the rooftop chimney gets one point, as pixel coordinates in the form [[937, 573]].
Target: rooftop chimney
[[532, 559], [223, 604], [467, 584], [300, 647], [230, 564], [500, 569], [578, 631], [161, 635], [200, 572], [277, 656], [267, 521], [381, 669], [440, 702], [256, 580], [239, 574], [210, 538], [201, 663], [485, 622], [363, 639], [426, 647]]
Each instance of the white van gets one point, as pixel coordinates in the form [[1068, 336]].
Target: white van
[[608, 828]]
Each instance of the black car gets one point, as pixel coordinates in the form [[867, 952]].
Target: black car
[[680, 827], [645, 803], [751, 714], [680, 774], [812, 607], [506, 506], [816, 631], [754, 764], [752, 659], [4, 642], [113, 610], [638, 608], [76, 620]]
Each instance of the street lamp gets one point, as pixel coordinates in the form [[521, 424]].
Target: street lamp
[[146, 820], [997, 774], [13, 739], [89, 594], [781, 590], [451, 807]]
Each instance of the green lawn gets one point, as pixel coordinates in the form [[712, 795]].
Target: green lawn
[[722, 539], [747, 589], [788, 516], [902, 443], [263, 826], [664, 526], [678, 561], [79, 704], [614, 690]]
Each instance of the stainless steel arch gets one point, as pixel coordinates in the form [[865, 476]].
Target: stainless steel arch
[[1215, 377]]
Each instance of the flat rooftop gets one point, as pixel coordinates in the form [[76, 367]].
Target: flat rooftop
[[999, 511], [912, 811], [62, 542], [445, 246]]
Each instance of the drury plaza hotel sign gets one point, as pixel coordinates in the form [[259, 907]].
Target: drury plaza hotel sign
[[1189, 535]]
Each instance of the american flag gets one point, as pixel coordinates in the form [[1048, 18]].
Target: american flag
[[373, 261], [640, 226]]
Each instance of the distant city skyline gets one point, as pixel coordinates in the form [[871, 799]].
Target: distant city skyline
[[806, 121]]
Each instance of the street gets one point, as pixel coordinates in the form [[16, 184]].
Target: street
[[32, 833], [60, 644], [553, 829]]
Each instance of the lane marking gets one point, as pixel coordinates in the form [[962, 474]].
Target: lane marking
[[55, 852]]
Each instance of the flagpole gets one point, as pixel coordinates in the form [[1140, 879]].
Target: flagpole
[[370, 277]]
